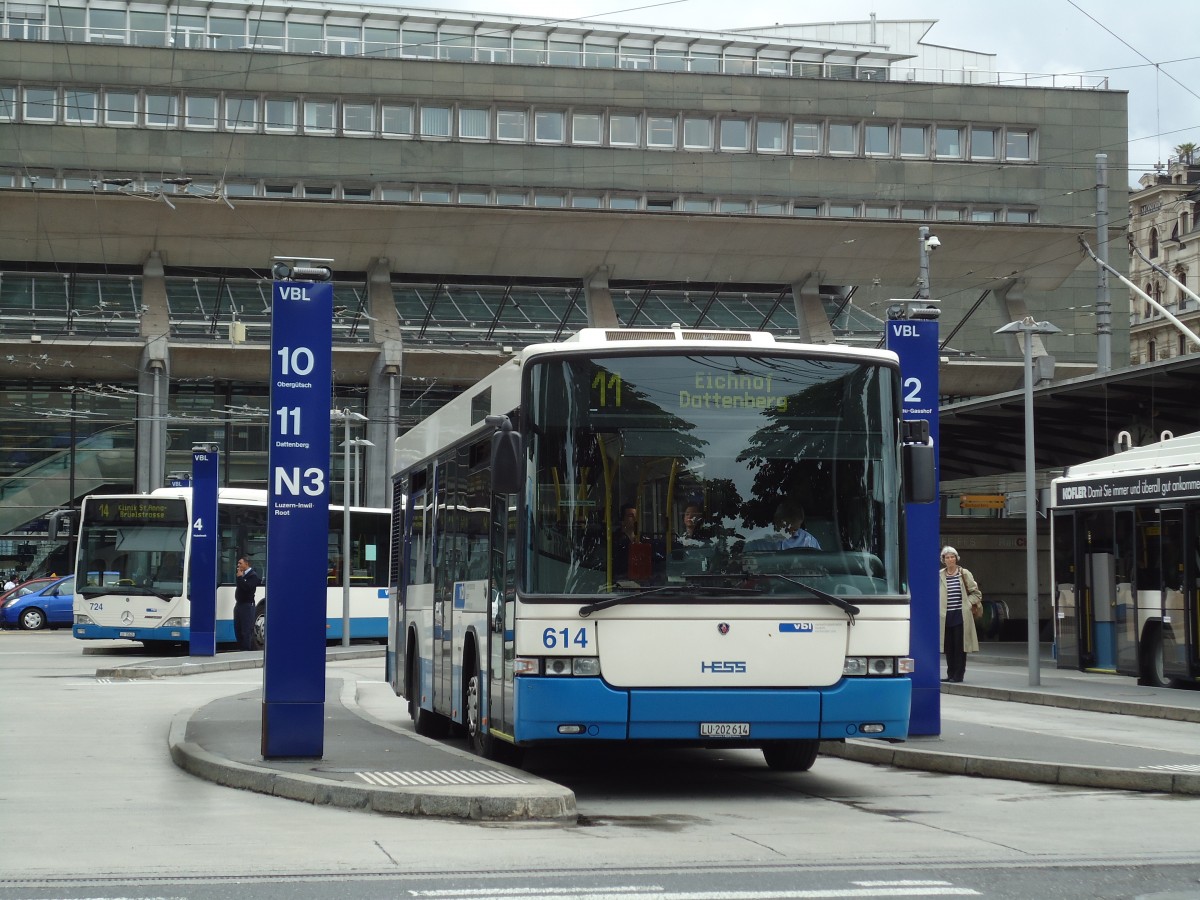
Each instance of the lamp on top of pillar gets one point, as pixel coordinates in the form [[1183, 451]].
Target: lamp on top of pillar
[[1027, 328]]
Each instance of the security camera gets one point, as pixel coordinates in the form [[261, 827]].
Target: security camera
[[932, 242]]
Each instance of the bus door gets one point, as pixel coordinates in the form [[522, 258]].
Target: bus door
[[1177, 575], [1125, 617], [1097, 603], [1068, 586], [1191, 580], [499, 709], [444, 577]]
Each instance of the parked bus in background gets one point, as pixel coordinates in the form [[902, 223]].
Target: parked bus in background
[[601, 541], [134, 556], [1125, 533]]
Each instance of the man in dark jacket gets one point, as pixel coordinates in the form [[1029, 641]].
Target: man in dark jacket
[[243, 608]]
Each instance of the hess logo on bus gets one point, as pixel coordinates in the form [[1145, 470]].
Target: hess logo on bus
[[724, 667]]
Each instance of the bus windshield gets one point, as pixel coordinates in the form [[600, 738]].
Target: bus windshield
[[713, 472], [131, 542]]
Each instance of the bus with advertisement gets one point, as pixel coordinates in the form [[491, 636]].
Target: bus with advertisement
[[678, 535], [1125, 539], [133, 561]]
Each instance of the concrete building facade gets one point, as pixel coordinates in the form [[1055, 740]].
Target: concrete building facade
[[484, 182]]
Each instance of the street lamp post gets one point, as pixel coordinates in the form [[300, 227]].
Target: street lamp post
[[1027, 328], [346, 416]]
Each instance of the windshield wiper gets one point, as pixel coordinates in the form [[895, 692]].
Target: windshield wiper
[[848, 608], [109, 590], [688, 589]]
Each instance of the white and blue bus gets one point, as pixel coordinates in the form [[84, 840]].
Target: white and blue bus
[[1126, 563], [549, 590], [133, 559]]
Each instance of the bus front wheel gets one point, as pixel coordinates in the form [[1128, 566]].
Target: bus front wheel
[[425, 722], [791, 756], [260, 625]]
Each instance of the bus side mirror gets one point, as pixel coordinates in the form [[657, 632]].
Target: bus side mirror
[[507, 457], [918, 463]]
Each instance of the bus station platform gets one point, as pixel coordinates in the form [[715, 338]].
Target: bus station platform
[[1085, 729]]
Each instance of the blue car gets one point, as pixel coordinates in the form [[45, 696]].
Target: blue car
[[41, 603]]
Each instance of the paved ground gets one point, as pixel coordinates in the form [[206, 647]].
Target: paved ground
[[1077, 728]]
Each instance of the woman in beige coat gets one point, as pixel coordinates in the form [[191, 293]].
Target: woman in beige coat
[[959, 595]]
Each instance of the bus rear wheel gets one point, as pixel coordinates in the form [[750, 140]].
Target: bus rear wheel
[[260, 625], [1150, 657], [791, 756]]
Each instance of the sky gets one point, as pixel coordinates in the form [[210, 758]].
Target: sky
[[1151, 52]]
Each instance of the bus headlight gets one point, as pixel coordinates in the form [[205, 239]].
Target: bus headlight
[[81, 619], [857, 666], [178, 622], [557, 665]]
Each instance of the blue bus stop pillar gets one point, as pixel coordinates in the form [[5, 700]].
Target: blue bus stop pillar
[[293, 720], [915, 341], [202, 570]]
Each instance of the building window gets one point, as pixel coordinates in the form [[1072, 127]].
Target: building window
[[586, 128], [914, 140], [1018, 145], [510, 198], [200, 112], [806, 137], [396, 120], [695, 205], [162, 110], [915, 213], [622, 202], [8, 103], [120, 108], [735, 206], [1153, 243], [584, 201], [435, 122], [697, 134], [280, 114], [1151, 351], [80, 107], [241, 113], [510, 125], [549, 201], [983, 143], [950, 214], [949, 143], [623, 130], [660, 132], [735, 134], [475, 198], [877, 140], [844, 210], [843, 138], [549, 127], [435, 195], [41, 105], [983, 215], [1023, 216], [473, 124], [319, 116], [358, 118], [771, 208], [878, 212], [806, 210], [770, 136]]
